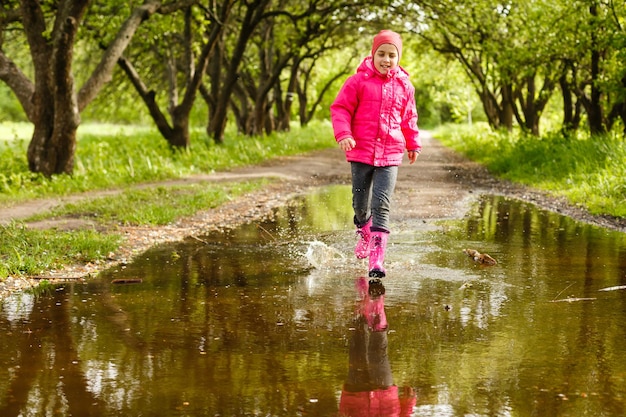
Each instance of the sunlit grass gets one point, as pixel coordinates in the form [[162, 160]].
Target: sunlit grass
[[154, 206], [10, 131], [588, 171], [30, 252]]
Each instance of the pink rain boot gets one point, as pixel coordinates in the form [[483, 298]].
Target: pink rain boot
[[375, 309], [362, 246], [375, 314], [361, 286], [378, 244]]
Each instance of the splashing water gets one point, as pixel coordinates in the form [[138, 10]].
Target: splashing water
[[322, 256]]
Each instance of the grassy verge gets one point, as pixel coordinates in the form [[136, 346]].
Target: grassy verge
[[154, 206], [119, 158], [588, 171], [31, 252]]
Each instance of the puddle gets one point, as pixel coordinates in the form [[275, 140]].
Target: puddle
[[276, 319]]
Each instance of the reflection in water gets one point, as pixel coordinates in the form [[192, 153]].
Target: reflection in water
[[242, 324], [45, 353], [369, 389]]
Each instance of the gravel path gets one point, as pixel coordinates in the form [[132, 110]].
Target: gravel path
[[440, 185]]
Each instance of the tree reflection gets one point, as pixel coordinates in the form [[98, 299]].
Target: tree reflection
[[48, 357], [369, 389]]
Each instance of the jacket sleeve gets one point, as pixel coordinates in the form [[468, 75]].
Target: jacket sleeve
[[343, 108], [409, 123]]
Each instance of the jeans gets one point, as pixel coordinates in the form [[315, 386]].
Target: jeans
[[372, 190]]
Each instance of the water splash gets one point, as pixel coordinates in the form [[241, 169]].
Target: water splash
[[322, 256]]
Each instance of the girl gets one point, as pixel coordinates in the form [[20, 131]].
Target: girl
[[374, 120]]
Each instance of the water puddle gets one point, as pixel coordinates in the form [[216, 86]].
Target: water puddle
[[278, 319]]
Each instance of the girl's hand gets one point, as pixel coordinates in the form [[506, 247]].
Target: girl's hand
[[347, 144], [413, 156]]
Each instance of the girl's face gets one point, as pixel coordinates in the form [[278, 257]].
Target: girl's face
[[385, 58]]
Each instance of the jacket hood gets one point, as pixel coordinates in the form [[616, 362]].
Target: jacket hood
[[367, 65]]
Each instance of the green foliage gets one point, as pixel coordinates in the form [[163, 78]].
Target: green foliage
[[588, 170], [30, 252], [10, 108], [110, 156], [530, 50], [442, 91]]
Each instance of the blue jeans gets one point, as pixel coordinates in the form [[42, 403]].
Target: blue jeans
[[372, 190]]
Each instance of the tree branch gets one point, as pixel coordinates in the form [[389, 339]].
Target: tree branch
[[19, 83], [103, 72]]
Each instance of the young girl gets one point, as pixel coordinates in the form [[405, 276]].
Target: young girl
[[374, 120]]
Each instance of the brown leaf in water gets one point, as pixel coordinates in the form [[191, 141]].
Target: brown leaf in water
[[481, 258]]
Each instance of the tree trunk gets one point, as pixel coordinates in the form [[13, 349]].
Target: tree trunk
[[594, 107], [568, 104], [51, 103], [241, 110], [284, 116], [177, 133], [506, 107], [490, 107], [217, 122], [55, 110], [619, 109]]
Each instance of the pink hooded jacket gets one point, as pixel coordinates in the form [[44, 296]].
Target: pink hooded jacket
[[379, 112]]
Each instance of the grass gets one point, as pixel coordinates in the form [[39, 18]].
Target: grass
[[31, 252], [154, 206], [114, 157], [588, 171]]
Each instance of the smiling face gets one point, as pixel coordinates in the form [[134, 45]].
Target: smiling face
[[385, 58]]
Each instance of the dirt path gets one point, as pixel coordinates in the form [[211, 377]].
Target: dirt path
[[441, 184]]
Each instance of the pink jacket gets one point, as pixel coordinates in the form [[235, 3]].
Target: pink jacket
[[379, 112]]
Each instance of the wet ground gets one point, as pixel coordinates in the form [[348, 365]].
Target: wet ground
[[278, 319]]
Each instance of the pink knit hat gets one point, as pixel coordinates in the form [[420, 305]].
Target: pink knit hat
[[387, 36]]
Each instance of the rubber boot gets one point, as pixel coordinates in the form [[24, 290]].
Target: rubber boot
[[372, 303], [361, 250], [378, 245], [362, 287], [375, 314]]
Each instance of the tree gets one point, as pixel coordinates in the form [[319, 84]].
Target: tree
[[284, 39], [50, 99], [516, 53], [250, 15], [180, 66], [263, 44], [503, 51], [606, 74]]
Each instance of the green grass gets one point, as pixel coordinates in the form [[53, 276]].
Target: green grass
[[588, 171], [154, 206], [31, 252]]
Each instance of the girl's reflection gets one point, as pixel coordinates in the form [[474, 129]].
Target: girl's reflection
[[369, 389]]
